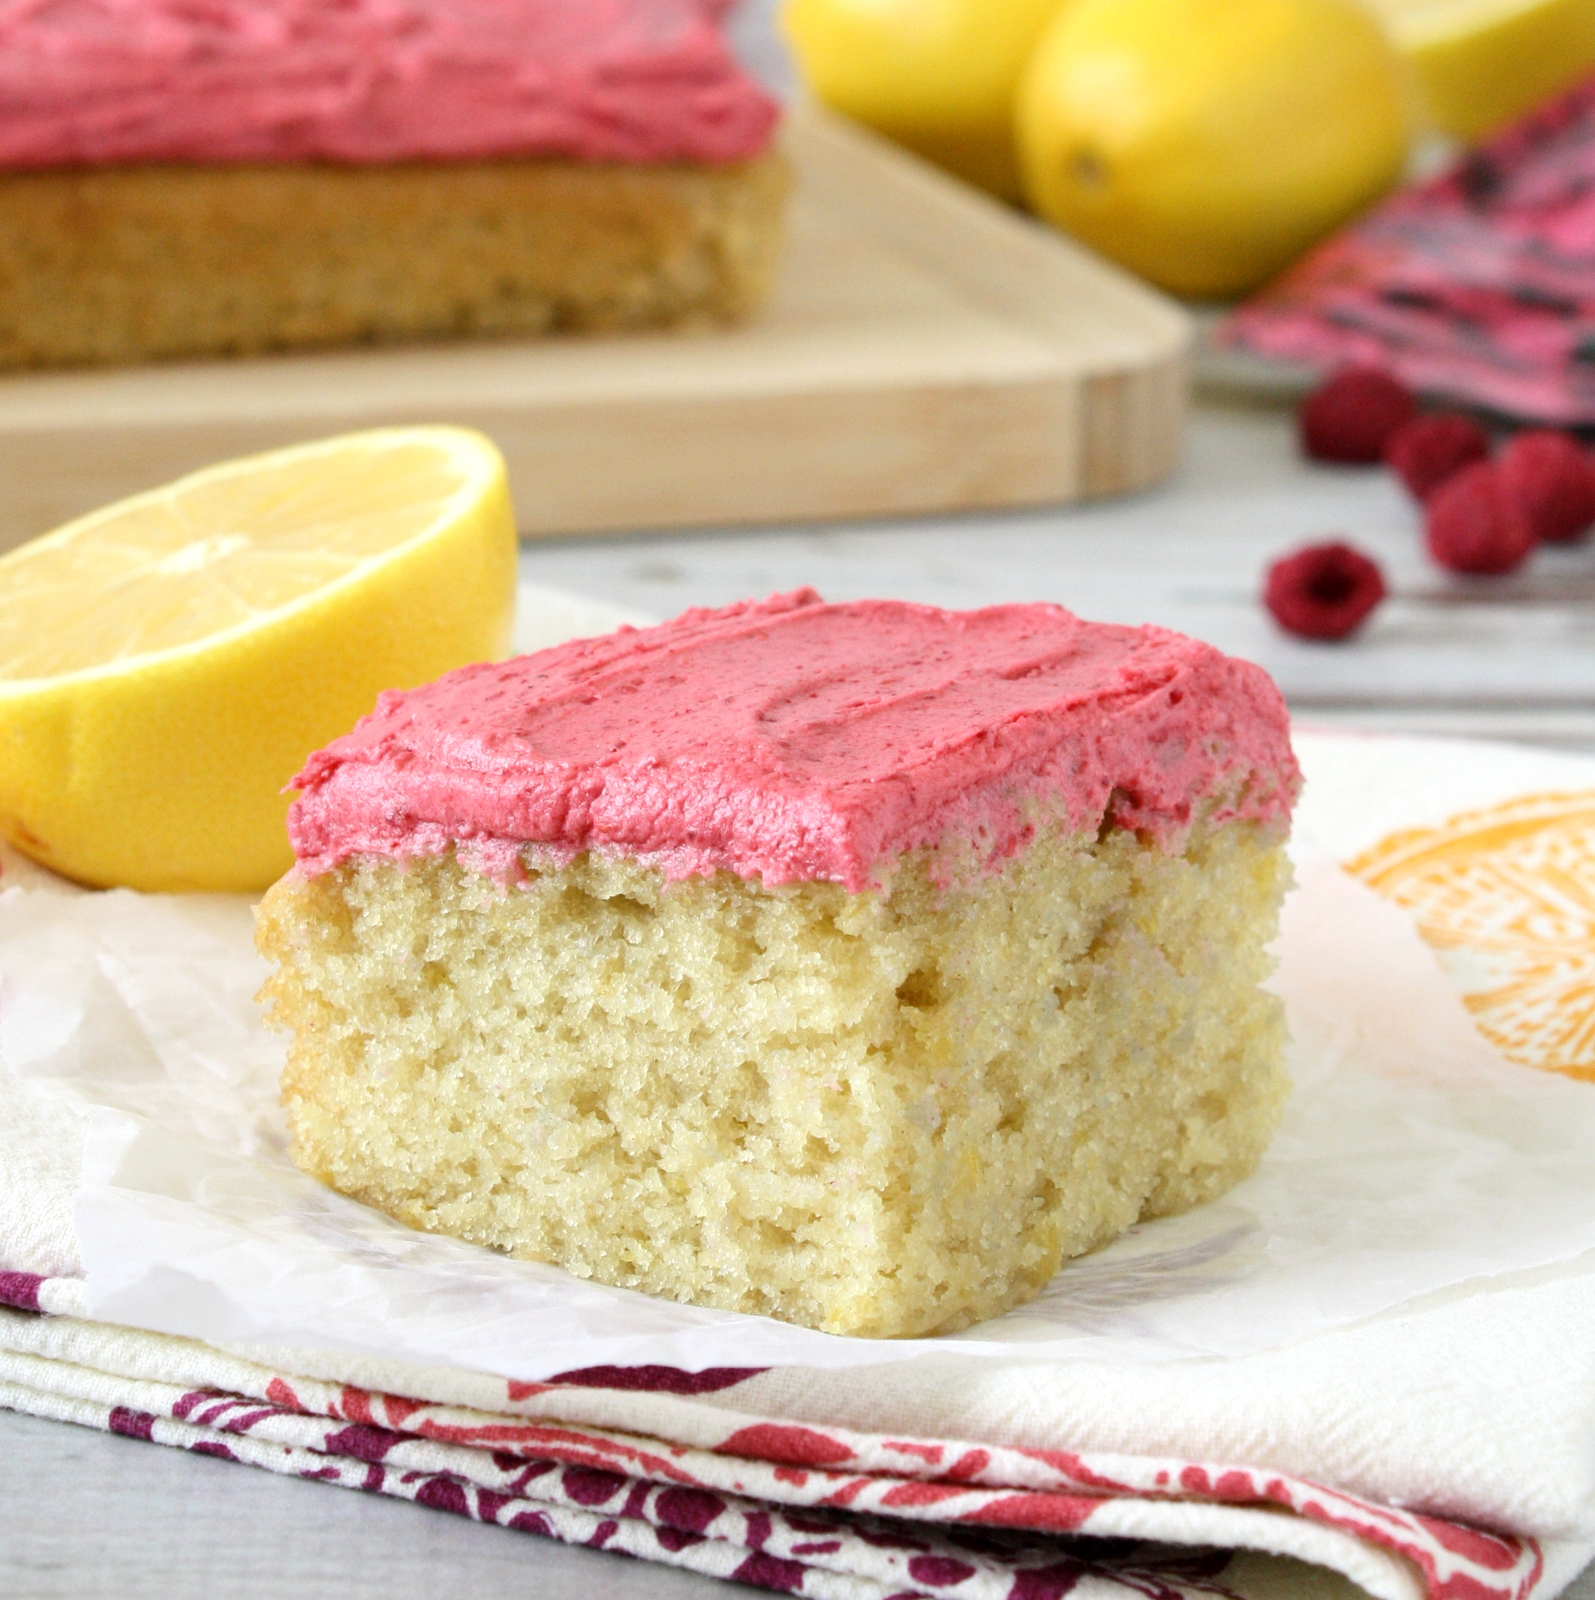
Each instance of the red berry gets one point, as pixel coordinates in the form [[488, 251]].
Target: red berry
[[1554, 481], [1428, 450], [1475, 524], [1352, 416], [1323, 591]]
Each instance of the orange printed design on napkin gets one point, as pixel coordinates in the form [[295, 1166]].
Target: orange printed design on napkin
[[1506, 898]]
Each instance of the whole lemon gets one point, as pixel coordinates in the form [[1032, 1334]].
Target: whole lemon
[[1204, 144], [936, 75], [1480, 63]]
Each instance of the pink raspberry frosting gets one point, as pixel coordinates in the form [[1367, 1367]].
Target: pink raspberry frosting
[[791, 740], [106, 82]]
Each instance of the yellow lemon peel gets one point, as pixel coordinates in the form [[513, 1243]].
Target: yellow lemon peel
[[166, 663], [936, 75], [1480, 63], [1204, 144]]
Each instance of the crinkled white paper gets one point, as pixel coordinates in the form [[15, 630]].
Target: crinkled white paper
[[1411, 1158]]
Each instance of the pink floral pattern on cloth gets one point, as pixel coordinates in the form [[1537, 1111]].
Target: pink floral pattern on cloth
[[1477, 286], [824, 1512]]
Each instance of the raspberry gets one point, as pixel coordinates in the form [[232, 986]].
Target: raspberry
[[1352, 416], [1474, 523], [1323, 591], [1554, 481], [1428, 450]]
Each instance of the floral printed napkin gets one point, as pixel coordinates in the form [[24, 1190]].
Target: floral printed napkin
[[831, 1512]]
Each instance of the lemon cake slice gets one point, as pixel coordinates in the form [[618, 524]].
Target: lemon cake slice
[[852, 964], [254, 175]]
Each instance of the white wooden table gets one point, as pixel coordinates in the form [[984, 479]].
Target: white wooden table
[[103, 1515], [1506, 658]]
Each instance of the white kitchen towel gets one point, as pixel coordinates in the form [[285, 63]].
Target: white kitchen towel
[[1413, 1340], [829, 1512]]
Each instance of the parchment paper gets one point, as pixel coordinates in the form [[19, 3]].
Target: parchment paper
[[1412, 1158]]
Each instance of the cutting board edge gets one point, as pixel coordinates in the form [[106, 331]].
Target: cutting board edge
[[1082, 420]]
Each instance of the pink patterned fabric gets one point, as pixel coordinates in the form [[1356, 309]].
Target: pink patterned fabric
[[1477, 286], [20, 1289], [830, 1513]]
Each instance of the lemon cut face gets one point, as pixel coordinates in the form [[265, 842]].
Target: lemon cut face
[[167, 663]]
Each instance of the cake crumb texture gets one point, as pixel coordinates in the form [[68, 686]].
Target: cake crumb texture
[[889, 1112], [115, 264]]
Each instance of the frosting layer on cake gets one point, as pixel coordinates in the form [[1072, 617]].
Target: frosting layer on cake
[[104, 82], [791, 740]]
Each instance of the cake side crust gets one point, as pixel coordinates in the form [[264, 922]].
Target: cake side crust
[[113, 264], [888, 1112]]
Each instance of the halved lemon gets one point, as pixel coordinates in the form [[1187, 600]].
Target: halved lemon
[[1480, 63], [167, 663]]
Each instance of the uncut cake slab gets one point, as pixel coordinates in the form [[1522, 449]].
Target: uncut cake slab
[[922, 348]]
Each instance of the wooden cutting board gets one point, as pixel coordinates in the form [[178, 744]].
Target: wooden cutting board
[[925, 349]]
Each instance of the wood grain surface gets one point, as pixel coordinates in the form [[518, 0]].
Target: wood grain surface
[[1487, 658], [925, 349]]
